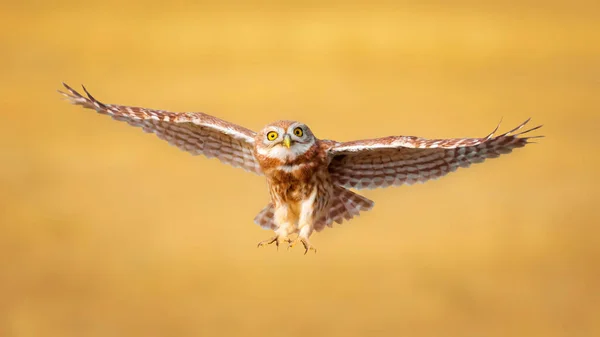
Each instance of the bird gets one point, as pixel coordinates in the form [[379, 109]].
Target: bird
[[311, 181]]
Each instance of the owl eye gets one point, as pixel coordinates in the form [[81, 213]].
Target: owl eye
[[272, 135], [298, 132]]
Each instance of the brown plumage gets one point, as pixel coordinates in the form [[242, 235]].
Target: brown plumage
[[307, 177]]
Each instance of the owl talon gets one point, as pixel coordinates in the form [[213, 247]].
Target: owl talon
[[278, 240], [310, 247], [267, 242], [305, 243]]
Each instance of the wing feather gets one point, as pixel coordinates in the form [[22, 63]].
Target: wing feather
[[194, 132], [393, 161]]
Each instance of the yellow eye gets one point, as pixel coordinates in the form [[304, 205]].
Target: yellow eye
[[298, 132], [272, 135]]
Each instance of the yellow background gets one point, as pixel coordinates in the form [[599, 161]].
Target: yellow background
[[107, 231]]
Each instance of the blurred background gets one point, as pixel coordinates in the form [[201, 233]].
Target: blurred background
[[108, 231]]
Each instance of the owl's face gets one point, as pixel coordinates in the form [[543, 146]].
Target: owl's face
[[284, 140]]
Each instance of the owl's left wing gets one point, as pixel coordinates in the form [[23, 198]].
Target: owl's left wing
[[194, 132], [397, 160]]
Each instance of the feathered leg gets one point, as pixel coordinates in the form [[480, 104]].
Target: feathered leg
[[303, 236], [284, 229], [306, 223]]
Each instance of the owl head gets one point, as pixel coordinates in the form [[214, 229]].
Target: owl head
[[284, 140]]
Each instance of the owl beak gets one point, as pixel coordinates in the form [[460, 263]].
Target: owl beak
[[287, 141]]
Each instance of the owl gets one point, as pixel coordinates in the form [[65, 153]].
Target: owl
[[309, 179]]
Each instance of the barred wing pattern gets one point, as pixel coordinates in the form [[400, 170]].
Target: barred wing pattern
[[393, 161], [194, 132]]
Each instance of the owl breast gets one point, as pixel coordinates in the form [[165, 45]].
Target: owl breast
[[294, 188], [293, 181]]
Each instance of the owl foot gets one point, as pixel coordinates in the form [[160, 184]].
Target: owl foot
[[277, 239], [305, 243]]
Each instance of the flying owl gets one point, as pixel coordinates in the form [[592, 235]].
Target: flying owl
[[309, 179]]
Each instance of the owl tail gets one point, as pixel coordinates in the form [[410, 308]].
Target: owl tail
[[344, 205]]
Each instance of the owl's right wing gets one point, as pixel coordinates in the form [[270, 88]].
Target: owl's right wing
[[398, 160], [194, 132]]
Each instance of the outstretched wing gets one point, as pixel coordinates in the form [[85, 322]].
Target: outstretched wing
[[194, 132], [393, 161]]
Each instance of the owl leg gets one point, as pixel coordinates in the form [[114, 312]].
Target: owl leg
[[306, 224], [283, 230], [303, 236]]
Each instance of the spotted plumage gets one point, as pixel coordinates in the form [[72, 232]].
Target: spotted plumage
[[308, 178]]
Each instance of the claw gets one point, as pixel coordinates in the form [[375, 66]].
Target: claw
[[276, 239], [267, 242], [305, 243]]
